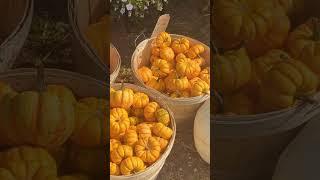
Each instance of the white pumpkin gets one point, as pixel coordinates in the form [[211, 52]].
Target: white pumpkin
[[201, 131], [300, 160]]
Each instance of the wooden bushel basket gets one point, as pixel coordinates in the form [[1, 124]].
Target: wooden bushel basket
[[15, 19]]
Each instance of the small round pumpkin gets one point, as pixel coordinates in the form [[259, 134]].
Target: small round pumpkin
[[144, 130], [175, 82], [122, 98], [163, 116], [134, 120], [140, 100], [148, 149], [114, 144], [200, 88], [162, 131], [180, 57], [130, 137], [155, 51], [157, 84], [114, 169], [145, 73], [132, 165], [150, 110], [188, 68], [120, 153], [119, 122], [195, 51], [160, 68], [167, 53], [163, 143], [180, 45], [163, 40]]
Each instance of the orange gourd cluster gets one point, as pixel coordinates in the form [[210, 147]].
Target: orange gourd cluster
[[139, 131], [176, 68]]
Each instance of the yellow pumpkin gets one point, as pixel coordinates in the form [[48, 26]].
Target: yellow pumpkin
[[180, 94], [199, 61], [130, 137], [303, 44], [249, 19], [114, 144], [120, 153], [134, 120], [148, 149], [163, 143], [144, 130], [140, 100], [150, 110], [200, 88], [157, 84], [205, 75], [163, 116], [188, 68], [90, 127], [180, 45], [114, 169], [175, 82], [238, 103], [163, 40], [153, 58], [132, 165], [24, 162], [122, 98], [38, 118], [119, 122], [162, 131], [285, 81], [231, 70], [145, 74], [155, 51], [160, 68], [167, 53], [180, 57], [195, 51]]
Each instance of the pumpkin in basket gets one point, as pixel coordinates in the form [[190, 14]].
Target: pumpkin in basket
[[140, 100], [122, 98], [199, 88], [119, 122], [120, 153], [235, 22], [114, 169], [157, 84], [24, 162], [160, 68], [232, 70], [188, 68], [303, 44], [180, 45], [163, 40], [130, 137], [90, 123], [38, 118], [148, 149], [286, 81], [195, 51], [145, 74], [144, 130], [175, 82], [167, 53], [150, 111], [162, 116], [162, 131], [132, 165]]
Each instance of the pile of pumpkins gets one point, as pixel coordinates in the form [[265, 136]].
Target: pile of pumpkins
[[261, 63], [176, 68], [45, 134], [139, 131]]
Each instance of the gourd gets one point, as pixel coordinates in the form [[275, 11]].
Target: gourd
[[303, 44], [162, 131], [144, 130], [205, 75], [195, 51], [132, 165], [167, 53], [163, 116], [114, 144], [119, 122], [188, 68], [180, 45], [163, 40], [120, 153], [130, 137], [140, 100], [201, 131], [163, 143], [38, 118], [175, 82], [232, 70], [200, 88], [148, 149], [122, 98], [157, 84], [160, 68], [145, 73], [286, 81], [150, 110], [114, 169], [90, 123]]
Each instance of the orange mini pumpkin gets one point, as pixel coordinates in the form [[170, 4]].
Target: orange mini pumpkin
[[157, 84], [120, 153], [149, 111], [175, 82], [167, 53], [163, 40], [119, 122], [180, 45], [132, 165], [160, 68], [122, 98], [140, 100], [163, 143], [130, 137], [155, 51], [188, 68], [144, 130], [195, 51], [163, 116], [148, 149], [200, 88], [114, 169], [162, 131], [145, 73], [114, 143]]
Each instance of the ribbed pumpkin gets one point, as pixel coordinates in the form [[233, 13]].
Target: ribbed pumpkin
[[150, 110], [148, 149], [205, 75], [130, 137], [114, 143], [200, 88], [132, 165], [163, 40], [167, 53], [144, 130], [162, 131], [195, 51], [134, 120], [140, 100], [163, 116], [122, 98], [163, 143], [119, 122], [160, 68], [231, 70], [180, 45], [120, 153], [38, 118], [188, 68], [175, 82], [90, 129], [157, 84], [145, 74], [114, 169]]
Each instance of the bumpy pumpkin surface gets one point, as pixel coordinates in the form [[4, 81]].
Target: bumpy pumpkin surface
[[175, 82], [163, 40], [114, 143], [122, 98], [167, 53], [132, 165], [39, 118], [150, 110], [140, 100], [180, 45], [163, 143], [120, 153], [160, 68], [148, 149], [114, 169], [163, 116], [157, 84], [162, 131], [200, 88], [195, 51], [119, 122], [144, 130], [188, 68], [145, 73], [130, 137]]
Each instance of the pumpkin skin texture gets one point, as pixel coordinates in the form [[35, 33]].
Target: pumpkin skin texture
[[144, 130], [188, 68], [90, 123], [163, 40], [155, 51], [163, 116], [145, 73], [275, 37], [120, 153], [114, 144], [26, 162], [231, 70], [180, 57], [162, 131], [153, 58], [304, 43], [160, 68], [140, 100], [200, 88], [180, 45], [195, 51], [157, 84], [132, 165], [205, 75], [150, 110], [137, 112], [240, 21], [114, 169], [134, 120], [182, 94], [130, 137], [163, 143], [45, 119], [174, 82], [121, 98], [119, 122], [167, 53], [148, 149], [238, 103], [284, 82]]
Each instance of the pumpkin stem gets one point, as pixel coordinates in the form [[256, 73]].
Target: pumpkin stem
[[316, 29]]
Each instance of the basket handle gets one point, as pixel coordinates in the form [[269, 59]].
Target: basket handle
[[161, 25]]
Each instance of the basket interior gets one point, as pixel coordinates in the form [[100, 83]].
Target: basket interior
[[11, 15]]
